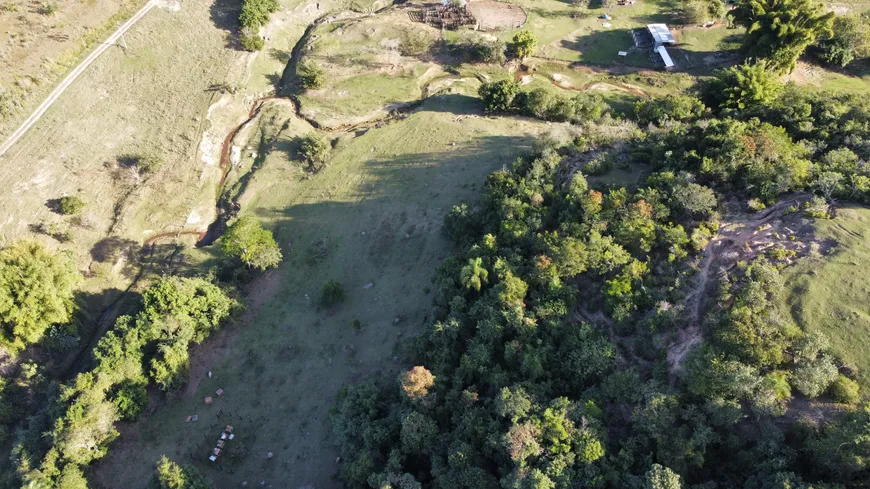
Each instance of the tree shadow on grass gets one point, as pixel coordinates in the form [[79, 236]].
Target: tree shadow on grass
[[116, 250], [225, 16], [601, 47]]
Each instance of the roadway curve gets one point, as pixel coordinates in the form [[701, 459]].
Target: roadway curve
[[58, 91]]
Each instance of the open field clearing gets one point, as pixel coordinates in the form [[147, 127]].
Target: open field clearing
[[830, 293], [371, 220]]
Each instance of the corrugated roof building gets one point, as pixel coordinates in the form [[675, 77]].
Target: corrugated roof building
[[661, 34]]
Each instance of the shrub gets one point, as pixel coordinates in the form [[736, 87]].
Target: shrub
[[315, 150], [601, 164], [70, 205], [588, 107], [669, 108], [522, 45], [475, 48], [461, 223], [415, 43], [851, 40], [817, 207], [256, 13], [251, 41], [812, 378], [170, 475], [311, 75], [845, 390], [332, 293], [143, 163], [537, 103], [498, 96], [756, 205]]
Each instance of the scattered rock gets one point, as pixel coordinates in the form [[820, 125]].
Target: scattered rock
[[270, 455], [338, 460], [209, 374], [244, 483], [368, 285]]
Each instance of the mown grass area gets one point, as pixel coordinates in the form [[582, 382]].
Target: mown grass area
[[370, 220], [831, 294]]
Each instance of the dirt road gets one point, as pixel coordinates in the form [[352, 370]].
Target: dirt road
[[71, 77]]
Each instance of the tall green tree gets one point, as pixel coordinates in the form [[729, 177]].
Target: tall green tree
[[170, 475], [36, 292], [523, 44], [743, 86], [254, 246], [781, 30]]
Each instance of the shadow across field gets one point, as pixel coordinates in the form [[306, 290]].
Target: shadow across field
[[225, 16]]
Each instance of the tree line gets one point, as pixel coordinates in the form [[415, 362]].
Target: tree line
[[545, 364]]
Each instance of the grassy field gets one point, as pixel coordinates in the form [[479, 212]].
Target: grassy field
[[830, 294], [43, 41], [368, 70], [370, 220]]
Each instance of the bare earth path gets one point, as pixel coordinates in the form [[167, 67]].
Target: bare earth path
[[731, 236], [71, 77]]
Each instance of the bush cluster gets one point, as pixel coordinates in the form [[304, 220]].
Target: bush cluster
[[255, 14], [77, 425], [506, 96]]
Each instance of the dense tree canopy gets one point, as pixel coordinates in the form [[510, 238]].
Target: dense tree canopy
[[77, 425], [546, 365], [36, 292]]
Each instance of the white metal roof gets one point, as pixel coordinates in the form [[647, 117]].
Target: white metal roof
[[660, 33], [669, 63]]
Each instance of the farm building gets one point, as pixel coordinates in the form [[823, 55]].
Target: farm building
[[655, 37], [661, 34]]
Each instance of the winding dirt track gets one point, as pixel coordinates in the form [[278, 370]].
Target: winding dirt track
[[71, 77]]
